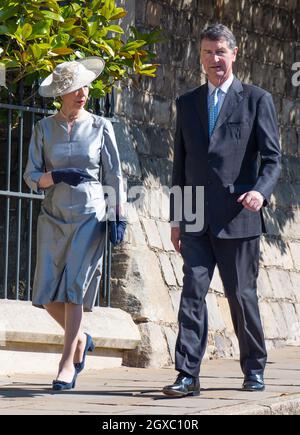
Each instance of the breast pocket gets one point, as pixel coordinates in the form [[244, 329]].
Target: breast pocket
[[239, 133], [235, 129]]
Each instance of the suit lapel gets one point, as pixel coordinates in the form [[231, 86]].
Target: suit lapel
[[233, 98], [200, 104]]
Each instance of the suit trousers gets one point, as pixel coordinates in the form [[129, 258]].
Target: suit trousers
[[238, 264]]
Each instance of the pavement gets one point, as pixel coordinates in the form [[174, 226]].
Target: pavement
[[137, 391]]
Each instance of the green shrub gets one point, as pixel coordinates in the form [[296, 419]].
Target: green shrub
[[36, 35]]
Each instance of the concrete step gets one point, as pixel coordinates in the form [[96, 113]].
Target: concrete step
[[31, 339]]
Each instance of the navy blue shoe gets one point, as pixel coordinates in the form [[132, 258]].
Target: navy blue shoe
[[185, 385], [254, 383], [89, 347], [58, 385]]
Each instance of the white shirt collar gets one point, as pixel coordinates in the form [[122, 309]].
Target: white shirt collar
[[224, 87]]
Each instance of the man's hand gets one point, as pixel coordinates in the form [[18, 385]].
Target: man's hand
[[175, 238], [252, 200]]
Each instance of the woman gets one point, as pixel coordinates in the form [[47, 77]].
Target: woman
[[66, 153]]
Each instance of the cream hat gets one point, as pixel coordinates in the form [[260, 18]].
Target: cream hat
[[69, 76]]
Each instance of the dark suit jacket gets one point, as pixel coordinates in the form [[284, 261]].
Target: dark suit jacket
[[243, 154]]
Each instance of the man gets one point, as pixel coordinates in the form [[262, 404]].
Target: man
[[227, 141]]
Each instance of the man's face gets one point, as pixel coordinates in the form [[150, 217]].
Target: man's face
[[217, 59]]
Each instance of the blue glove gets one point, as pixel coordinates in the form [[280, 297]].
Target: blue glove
[[70, 176], [116, 231]]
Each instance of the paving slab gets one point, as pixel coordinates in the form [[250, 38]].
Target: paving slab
[[137, 391]]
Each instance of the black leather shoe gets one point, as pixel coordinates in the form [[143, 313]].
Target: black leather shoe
[[254, 383], [183, 386]]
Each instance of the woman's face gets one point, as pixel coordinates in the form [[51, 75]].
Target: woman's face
[[76, 100]]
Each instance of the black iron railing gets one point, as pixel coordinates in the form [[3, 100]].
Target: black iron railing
[[19, 207]]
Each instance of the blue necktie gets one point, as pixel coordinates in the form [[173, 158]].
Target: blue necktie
[[213, 109]]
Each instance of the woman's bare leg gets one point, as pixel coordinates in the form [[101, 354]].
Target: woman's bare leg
[[57, 312], [73, 321]]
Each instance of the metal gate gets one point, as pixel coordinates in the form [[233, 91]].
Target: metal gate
[[19, 206]]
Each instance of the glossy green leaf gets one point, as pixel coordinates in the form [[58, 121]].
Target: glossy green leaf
[[115, 28], [26, 30], [62, 50], [60, 40], [53, 16], [3, 30], [41, 28], [7, 13]]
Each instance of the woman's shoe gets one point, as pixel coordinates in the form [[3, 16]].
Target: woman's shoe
[[89, 347], [62, 385]]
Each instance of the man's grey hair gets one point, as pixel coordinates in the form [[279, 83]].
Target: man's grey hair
[[216, 32]]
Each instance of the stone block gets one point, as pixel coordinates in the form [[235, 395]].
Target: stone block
[[288, 111], [284, 196], [282, 222], [153, 13], [275, 254], [235, 346], [279, 319], [189, 5], [281, 284], [290, 172], [292, 224], [175, 296], [134, 235], [182, 23], [164, 230], [274, 220], [140, 140], [289, 140], [156, 171], [129, 158], [144, 294], [268, 320], [160, 111], [295, 278], [167, 270], [152, 205], [291, 320], [296, 329], [177, 263], [160, 141], [165, 204], [215, 320], [171, 338], [295, 251], [140, 10], [264, 288], [226, 315], [153, 350], [152, 233], [223, 346], [269, 345], [153, 202]]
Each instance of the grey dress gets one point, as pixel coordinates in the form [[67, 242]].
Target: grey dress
[[70, 236]]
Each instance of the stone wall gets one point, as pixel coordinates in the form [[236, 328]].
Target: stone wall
[[147, 273]]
